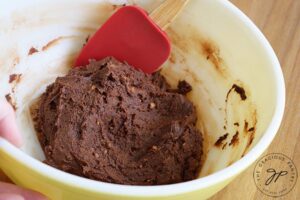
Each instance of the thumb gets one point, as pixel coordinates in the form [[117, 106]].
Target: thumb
[[8, 126], [10, 197], [12, 192]]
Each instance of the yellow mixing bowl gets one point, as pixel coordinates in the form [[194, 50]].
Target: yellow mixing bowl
[[238, 89]]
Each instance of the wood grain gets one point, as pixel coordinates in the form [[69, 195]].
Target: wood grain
[[279, 20], [166, 13]]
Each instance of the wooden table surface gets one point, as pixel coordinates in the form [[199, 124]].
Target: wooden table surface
[[280, 22]]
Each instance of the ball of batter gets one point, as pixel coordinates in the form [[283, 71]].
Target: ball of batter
[[110, 122]]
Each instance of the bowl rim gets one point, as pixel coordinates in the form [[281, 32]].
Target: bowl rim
[[178, 188]]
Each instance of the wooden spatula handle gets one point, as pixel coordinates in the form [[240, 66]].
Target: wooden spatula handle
[[164, 15]]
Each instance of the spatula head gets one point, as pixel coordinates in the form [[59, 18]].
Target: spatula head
[[130, 36]]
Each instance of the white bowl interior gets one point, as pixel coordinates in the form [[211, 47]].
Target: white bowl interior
[[212, 49]]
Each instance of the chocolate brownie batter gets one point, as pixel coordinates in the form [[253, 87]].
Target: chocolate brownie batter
[[110, 122]]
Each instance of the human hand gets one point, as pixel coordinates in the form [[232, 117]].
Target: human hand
[[9, 131], [8, 126]]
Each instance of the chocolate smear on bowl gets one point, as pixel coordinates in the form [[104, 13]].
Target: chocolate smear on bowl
[[235, 139], [11, 101], [221, 139], [32, 50], [14, 78]]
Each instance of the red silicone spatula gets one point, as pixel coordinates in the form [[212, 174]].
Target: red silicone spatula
[[133, 36]]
